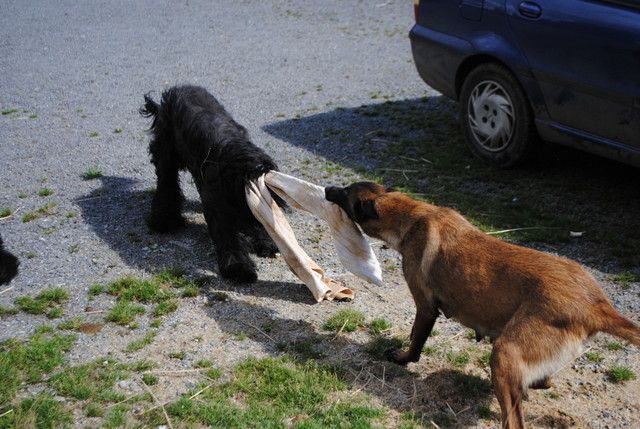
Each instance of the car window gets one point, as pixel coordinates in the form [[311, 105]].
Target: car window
[[633, 4]]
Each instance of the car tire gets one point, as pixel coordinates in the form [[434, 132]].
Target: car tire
[[496, 116]]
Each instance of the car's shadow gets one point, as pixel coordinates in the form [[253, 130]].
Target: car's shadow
[[417, 146], [116, 213]]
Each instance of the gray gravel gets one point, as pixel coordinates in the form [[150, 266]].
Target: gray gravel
[[82, 67]]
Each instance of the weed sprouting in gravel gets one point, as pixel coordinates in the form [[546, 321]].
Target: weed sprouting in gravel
[[594, 357], [46, 302], [124, 312], [347, 320], [625, 279], [7, 311], [117, 130], [378, 326], [136, 345], [5, 212], [93, 134], [620, 374], [45, 210], [614, 346], [45, 192], [6, 112], [92, 173], [458, 359], [149, 379]]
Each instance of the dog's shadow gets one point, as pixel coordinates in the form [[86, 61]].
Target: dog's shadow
[[116, 213], [448, 397]]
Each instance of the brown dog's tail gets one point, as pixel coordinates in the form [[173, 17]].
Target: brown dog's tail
[[616, 324]]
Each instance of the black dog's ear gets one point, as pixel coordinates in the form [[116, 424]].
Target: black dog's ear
[[365, 210]]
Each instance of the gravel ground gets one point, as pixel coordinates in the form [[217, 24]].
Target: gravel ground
[[76, 72]]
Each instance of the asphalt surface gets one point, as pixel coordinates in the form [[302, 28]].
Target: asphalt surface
[[82, 68]]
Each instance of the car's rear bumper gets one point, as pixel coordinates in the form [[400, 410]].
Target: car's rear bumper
[[437, 57]]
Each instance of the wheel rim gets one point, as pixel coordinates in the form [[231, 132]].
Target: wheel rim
[[491, 116]]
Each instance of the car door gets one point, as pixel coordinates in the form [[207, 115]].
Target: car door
[[585, 54]]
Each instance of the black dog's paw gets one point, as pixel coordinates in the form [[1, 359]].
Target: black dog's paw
[[265, 248], [165, 223], [400, 357], [239, 272]]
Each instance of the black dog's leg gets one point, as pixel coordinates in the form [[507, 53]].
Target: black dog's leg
[[260, 241], [231, 252], [8, 265], [166, 208]]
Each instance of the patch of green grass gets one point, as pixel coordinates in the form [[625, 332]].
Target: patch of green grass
[[155, 323], [33, 116], [428, 350], [458, 359], [117, 130], [93, 134], [93, 381], [307, 347], [178, 355], [165, 307], [45, 192], [46, 302], [271, 391], [485, 358], [379, 326], [92, 173], [134, 289], [29, 361], [594, 357], [6, 212], [136, 345], [239, 335], [41, 411], [203, 363], [7, 311], [149, 379], [9, 111], [116, 418], [96, 289], [380, 345], [614, 346], [72, 324], [22, 195], [124, 312], [347, 320], [190, 292], [625, 279], [71, 215], [143, 365], [45, 210], [213, 373], [620, 374], [93, 410]]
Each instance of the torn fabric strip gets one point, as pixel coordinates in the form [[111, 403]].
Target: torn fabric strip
[[354, 250]]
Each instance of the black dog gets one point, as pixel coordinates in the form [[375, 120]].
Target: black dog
[[192, 130], [8, 265]]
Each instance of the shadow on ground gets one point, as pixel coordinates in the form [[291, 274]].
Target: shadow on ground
[[427, 395], [116, 213], [416, 145]]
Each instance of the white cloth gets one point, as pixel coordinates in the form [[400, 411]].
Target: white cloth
[[353, 249]]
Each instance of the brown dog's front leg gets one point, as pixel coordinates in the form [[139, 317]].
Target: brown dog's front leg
[[425, 319]]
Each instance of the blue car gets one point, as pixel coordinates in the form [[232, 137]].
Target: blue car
[[524, 71]]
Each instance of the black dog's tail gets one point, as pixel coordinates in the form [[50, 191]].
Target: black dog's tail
[[150, 107]]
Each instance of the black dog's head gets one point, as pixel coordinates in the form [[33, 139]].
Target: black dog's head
[[8, 265]]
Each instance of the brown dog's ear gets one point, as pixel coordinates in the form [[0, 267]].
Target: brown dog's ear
[[365, 210]]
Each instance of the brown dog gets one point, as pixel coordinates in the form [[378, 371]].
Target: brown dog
[[537, 308]]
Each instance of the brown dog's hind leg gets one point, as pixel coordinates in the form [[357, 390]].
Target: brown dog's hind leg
[[425, 319], [506, 375]]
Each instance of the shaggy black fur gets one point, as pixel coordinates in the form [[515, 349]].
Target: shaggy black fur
[[191, 130], [8, 265]]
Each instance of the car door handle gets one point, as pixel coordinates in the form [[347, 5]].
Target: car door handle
[[530, 9]]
